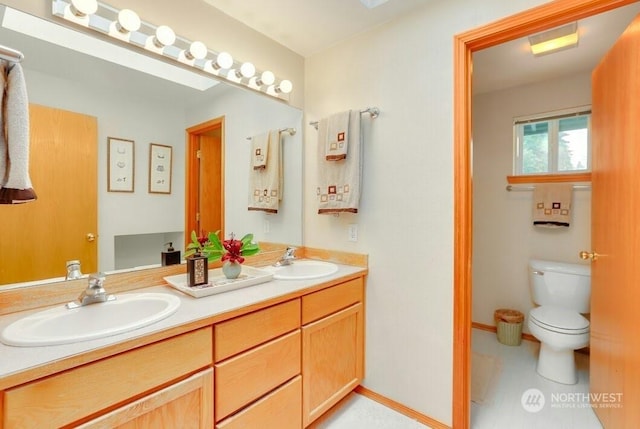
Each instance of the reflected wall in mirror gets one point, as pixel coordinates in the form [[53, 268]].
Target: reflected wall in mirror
[[137, 106]]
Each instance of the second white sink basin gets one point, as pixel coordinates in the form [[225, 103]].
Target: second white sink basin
[[303, 269], [61, 325]]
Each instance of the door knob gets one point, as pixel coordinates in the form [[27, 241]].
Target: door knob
[[91, 237], [588, 255]]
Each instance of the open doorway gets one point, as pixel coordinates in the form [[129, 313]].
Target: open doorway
[[542, 18]]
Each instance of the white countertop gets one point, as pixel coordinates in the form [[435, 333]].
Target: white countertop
[[14, 360]]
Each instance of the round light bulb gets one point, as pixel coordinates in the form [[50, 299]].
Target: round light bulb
[[266, 78], [164, 36], [197, 50], [83, 7], [247, 70], [128, 21], [224, 60], [285, 87]]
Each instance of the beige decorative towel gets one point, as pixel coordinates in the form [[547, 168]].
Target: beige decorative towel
[[552, 205], [260, 150], [339, 182], [266, 184], [337, 137], [15, 183]]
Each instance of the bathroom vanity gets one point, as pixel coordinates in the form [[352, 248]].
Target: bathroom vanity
[[275, 355]]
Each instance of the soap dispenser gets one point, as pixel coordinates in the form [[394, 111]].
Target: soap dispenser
[[170, 256]]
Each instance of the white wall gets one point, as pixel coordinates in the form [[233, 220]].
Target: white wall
[[406, 219], [504, 237]]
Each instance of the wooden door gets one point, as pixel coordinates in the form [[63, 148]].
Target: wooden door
[[39, 237], [205, 178], [615, 349]]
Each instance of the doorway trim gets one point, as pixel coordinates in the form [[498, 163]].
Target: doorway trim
[[538, 19]]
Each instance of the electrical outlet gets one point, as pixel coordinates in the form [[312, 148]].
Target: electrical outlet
[[353, 232], [266, 226]]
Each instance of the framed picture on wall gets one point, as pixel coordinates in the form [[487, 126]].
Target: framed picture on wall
[[160, 168], [120, 165]]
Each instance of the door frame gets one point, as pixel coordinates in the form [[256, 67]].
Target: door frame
[[538, 19], [192, 184]]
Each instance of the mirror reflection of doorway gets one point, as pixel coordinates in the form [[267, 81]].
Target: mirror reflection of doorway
[[205, 178]]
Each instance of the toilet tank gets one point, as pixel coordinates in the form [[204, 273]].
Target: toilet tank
[[560, 284]]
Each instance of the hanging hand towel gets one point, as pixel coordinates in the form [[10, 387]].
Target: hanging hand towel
[[339, 181], [337, 137], [552, 205], [265, 184], [260, 150], [15, 183]]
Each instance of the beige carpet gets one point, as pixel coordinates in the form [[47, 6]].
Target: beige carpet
[[484, 374]]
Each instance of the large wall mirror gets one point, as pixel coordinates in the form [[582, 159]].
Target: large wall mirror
[[131, 105]]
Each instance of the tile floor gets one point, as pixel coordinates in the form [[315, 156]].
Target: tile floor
[[359, 412], [503, 408]]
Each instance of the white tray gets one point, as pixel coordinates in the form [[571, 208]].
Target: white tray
[[218, 283]]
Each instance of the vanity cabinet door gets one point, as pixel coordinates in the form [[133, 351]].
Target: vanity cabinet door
[[98, 387], [187, 404], [332, 360]]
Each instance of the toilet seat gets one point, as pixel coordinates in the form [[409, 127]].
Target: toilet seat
[[559, 320]]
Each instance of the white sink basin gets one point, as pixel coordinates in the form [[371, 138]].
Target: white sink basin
[[61, 325], [304, 269]]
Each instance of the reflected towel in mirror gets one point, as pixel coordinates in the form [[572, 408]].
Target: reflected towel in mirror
[[266, 184]]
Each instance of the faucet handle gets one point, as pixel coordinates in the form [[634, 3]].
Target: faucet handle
[[290, 252], [96, 280]]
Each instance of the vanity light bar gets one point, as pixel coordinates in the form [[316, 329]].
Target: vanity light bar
[[125, 25]]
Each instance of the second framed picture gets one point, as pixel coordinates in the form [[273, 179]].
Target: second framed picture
[[160, 168]]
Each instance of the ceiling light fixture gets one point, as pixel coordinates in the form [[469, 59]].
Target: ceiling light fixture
[[554, 40], [84, 43], [127, 26]]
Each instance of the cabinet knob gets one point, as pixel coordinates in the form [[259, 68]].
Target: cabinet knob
[[91, 237]]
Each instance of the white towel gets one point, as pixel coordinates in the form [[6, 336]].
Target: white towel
[[15, 183], [266, 184], [552, 205], [337, 136], [339, 182], [260, 150]]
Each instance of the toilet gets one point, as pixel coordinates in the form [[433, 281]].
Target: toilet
[[562, 292]]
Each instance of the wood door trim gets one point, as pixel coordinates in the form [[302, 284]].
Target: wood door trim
[[541, 18], [192, 189]]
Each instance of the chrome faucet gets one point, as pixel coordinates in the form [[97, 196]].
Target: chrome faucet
[[73, 270], [93, 294], [287, 258]]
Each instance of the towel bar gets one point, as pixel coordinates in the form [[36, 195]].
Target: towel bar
[[514, 188], [372, 111]]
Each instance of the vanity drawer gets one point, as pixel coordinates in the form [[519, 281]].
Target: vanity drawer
[[248, 376], [322, 303], [280, 409], [242, 333], [72, 395]]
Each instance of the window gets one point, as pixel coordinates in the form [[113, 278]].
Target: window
[[553, 143]]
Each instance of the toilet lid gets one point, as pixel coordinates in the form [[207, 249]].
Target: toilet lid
[[559, 319]]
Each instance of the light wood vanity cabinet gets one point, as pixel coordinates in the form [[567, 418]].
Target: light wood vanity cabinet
[[256, 354], [98, 387], [278, 367], [332, 346]]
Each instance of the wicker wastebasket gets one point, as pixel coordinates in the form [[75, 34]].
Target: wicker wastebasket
[[509, 326]]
